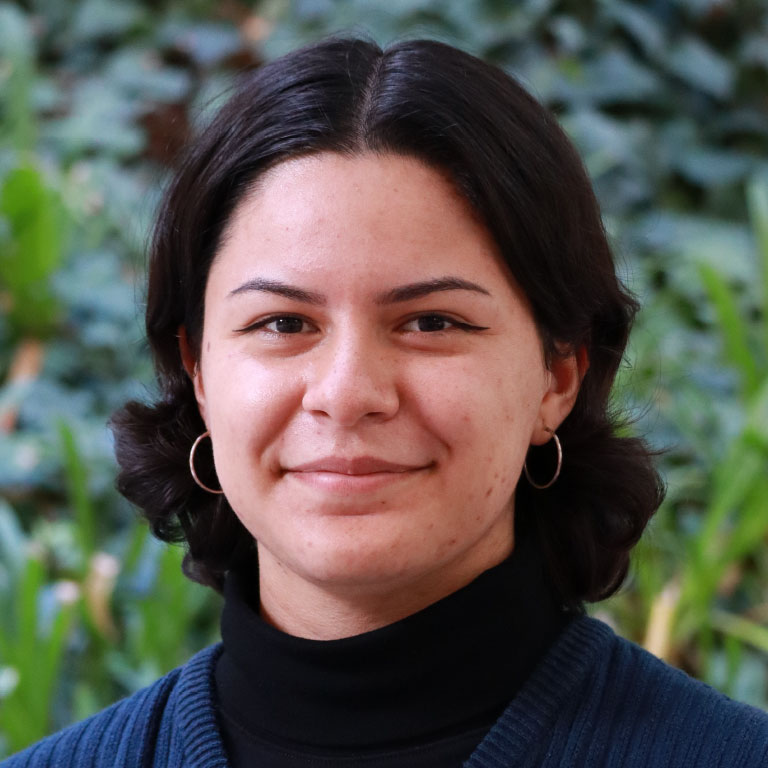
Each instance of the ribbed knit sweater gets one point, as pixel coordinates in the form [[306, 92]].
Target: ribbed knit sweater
[[596, 699]]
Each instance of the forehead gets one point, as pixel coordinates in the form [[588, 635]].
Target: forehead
[[369, 219]]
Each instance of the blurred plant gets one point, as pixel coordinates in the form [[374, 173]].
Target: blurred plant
[[33, 639], [117, 629], [31, 251], [666, 102], [688, 602], [17, 53], [734, 527]]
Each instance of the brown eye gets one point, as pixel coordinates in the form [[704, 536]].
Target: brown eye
[[435, 323], [281, 325], [286, 325], [432, 323]]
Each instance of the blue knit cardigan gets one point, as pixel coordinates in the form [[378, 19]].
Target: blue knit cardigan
[[596, 699]]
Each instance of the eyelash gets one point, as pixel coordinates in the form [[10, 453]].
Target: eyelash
[[259, 324], [458, 325]]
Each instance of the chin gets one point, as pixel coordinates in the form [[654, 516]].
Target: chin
[[350, 568], [359, 560]]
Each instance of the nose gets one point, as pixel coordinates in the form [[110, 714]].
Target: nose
[[352, 379]]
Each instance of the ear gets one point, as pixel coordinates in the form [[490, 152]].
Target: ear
[[192, 367], [565, 374]]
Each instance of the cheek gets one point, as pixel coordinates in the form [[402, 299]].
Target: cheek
[[248, 406], [472, 406], [485, 417]]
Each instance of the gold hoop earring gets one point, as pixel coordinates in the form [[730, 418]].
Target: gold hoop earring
[[192, 464], [557, 470]]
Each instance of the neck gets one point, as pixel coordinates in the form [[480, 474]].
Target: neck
[[442, 671], [319, 610]]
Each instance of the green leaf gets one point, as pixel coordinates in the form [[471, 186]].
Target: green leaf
[[27, 611], [15, 37], [757, 200], [12, 542], [102, 118], [733, 327], [638, 23], [751, 524], [615, 77], [744, 629], [140, 72], [77, 487], [701, 67], [17, 53], [711, 168], [33, 253], [98, 19], [207, 42]]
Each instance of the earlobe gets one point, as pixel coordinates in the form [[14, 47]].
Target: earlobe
[[566, 373], [190, 363]]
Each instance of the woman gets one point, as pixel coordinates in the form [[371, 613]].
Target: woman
[[381, 293]]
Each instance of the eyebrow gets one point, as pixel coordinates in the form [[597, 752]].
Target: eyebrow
[[281, 289], [396, 295], [424, 288]]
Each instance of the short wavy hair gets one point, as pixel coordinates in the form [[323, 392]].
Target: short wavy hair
[[509, 158]]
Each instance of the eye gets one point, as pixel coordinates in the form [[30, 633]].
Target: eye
[[428, 323], [432, 322], [285, 325], [280, 324]]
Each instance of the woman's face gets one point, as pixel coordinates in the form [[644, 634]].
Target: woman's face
[[371, 377]]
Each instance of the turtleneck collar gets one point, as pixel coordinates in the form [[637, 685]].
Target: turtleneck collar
[[453, 666]]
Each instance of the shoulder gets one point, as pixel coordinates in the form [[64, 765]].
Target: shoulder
[[152, 723], [647, 712], [677, 716], [599, 699]]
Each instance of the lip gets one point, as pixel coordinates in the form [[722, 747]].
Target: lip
[[353, 475], [359, 465]]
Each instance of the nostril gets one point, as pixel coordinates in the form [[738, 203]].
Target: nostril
[[348, 404], [353, 380]]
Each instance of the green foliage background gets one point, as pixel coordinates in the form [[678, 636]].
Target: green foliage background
[[667, 101]]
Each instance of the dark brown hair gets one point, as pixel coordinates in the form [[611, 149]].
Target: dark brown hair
[[510, 159]]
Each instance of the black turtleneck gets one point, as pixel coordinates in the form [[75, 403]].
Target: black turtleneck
[[420, 692]]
